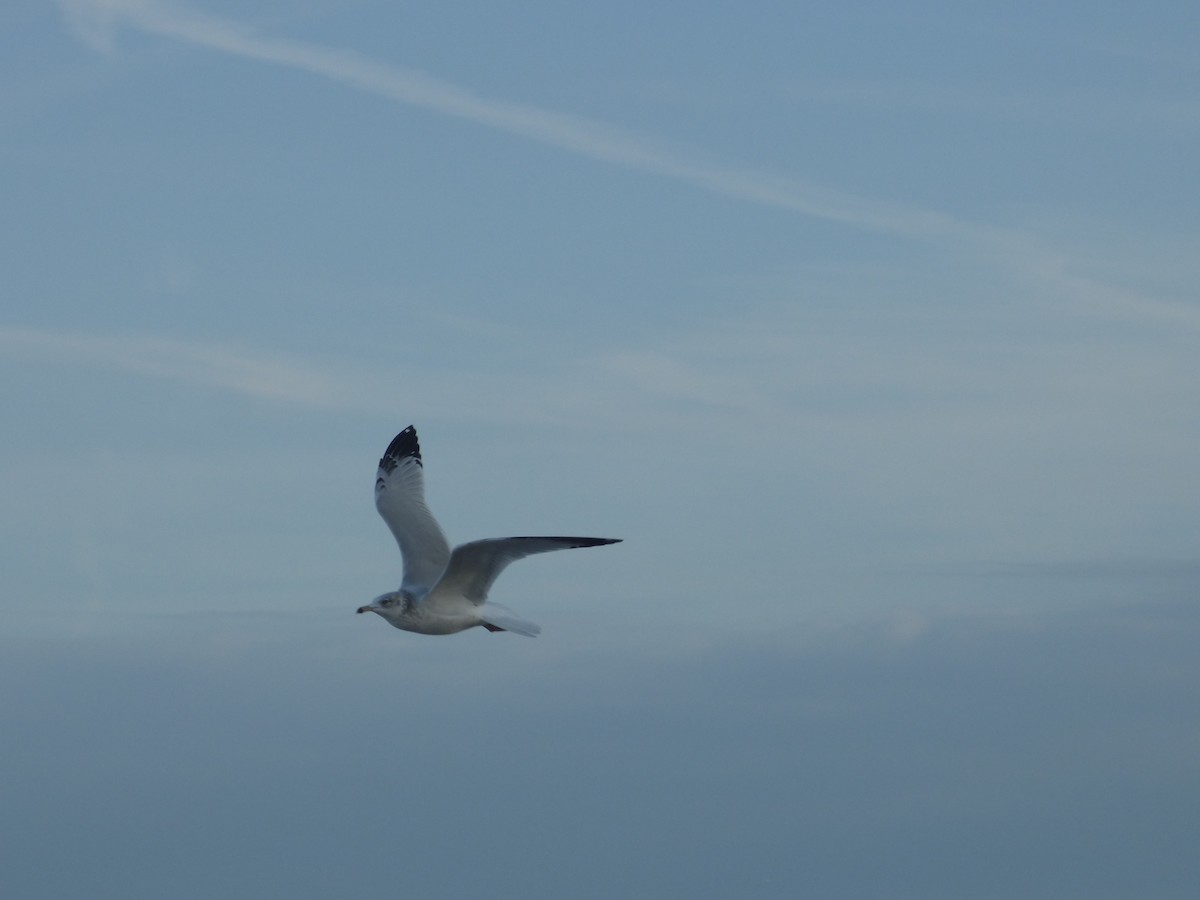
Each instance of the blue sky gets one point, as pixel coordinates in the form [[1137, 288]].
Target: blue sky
[[873, 332]]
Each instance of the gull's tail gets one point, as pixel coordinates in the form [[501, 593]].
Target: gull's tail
[[500, 618]]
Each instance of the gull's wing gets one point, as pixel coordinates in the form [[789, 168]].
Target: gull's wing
[[474, 566], [400, 499]]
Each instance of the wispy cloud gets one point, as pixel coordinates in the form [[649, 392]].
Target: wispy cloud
[[369, 386], [99, 21], [208, 364], [1093, 108]]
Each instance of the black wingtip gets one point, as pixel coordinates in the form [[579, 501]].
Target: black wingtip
[[403, 446], [572, 542]]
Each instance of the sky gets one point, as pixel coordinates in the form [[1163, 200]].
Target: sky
[[873, 330]]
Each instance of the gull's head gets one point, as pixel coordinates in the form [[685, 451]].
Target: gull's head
[[385, 604]]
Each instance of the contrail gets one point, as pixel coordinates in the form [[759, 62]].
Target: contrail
[[97, 21], [1022, 253]]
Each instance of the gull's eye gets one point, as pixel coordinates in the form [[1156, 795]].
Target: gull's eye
[[390, 601]]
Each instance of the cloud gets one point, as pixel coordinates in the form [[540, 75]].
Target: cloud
[[208, 364], [1090, 107], [761, 767], [93, 22], [96, 21]]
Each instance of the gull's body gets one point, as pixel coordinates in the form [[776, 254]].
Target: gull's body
[[445, 591]]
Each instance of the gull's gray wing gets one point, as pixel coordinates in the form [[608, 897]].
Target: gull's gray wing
[[400, 499], [473, 567]]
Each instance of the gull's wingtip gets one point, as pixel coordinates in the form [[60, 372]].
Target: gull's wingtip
[[403, 446], [568, 541]]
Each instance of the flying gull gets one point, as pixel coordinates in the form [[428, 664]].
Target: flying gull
[[445, 591]]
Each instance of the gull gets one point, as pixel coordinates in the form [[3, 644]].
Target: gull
[[444, 591]]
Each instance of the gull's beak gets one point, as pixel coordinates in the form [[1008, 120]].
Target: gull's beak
[[363, 609]]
